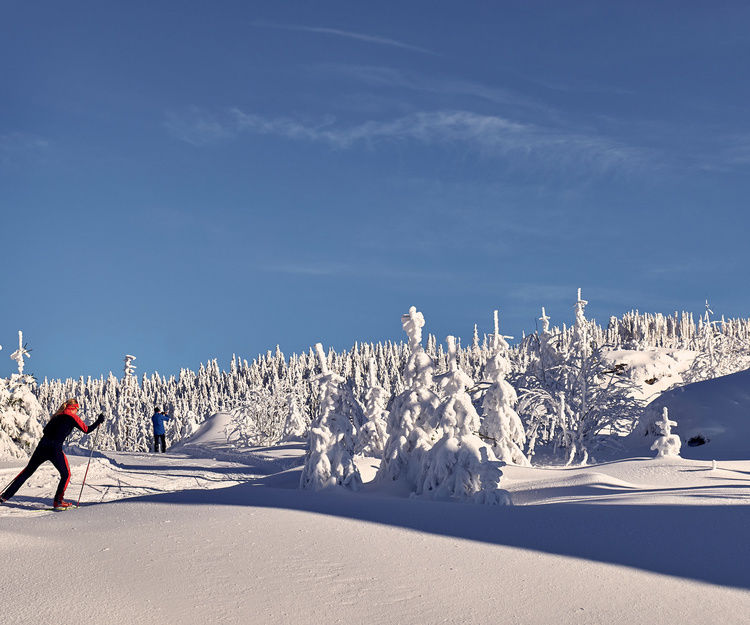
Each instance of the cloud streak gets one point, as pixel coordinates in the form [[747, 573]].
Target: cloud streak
[[383, 41], [389, 77], [196, 127], [564, 295], [17, 145], [329, 269], [489, 135]]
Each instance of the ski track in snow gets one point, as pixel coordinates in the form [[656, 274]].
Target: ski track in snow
[[213, 534], [121, 475]]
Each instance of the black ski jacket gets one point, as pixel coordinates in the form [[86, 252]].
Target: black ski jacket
[[61, 425]]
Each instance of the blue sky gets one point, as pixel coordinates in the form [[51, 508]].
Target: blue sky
[[186, 180]]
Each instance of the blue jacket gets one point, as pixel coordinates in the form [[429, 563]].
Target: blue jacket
[[158, 420]]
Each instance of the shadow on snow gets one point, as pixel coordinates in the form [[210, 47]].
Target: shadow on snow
[[706, 543]]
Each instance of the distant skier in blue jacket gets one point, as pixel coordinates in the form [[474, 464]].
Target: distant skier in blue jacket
[[158, 420]]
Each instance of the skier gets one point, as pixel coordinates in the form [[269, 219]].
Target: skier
[[50, 448], [159, 435]]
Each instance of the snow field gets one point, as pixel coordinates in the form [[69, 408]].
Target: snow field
[[218, 532], [119, 476], [262, 551], [652, 369]]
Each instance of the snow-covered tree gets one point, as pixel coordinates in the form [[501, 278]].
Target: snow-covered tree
[[329, 459], [296, 426], [667, 444], [544, 365], [373, 434], [20, 417], [722, 349], [129, 368], [259, 419], [189, 426], [453, 468], [126, 432], [20, 353], [580, 402], [501, 425], [548, 355], [490, 473], [412, 418]]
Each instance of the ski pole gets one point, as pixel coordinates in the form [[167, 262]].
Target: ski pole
[[93, 446]]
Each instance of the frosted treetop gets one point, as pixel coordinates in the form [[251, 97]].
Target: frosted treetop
[[20, 353], [412, 323]]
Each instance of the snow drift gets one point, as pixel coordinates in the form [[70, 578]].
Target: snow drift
[[713, 419], [213, 431]]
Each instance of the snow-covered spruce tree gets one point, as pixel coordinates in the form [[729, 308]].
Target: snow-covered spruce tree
[[721, 350], [268, 414], [329, 459], [20, 353], [412, 418], [548, 355], [189, 425], [20, 411], [454, 467], [501, 425], [490, 474], [20, 417], [196, 395], [540, 385], [296, 425], [667, 444], [126, 429], [373, 434], [259, 419], [580, 403]]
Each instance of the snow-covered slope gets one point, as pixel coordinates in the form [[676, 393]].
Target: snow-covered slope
[[716, 411], [211, 433], [213, 533], [190, 540], [652, 370]]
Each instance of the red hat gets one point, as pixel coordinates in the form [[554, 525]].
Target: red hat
[[69, 405]]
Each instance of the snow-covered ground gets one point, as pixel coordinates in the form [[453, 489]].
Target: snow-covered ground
[[215, 533], [208, 533], [714, 413], [653, 370]]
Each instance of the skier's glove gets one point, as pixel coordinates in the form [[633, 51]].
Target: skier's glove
[[100, 418]]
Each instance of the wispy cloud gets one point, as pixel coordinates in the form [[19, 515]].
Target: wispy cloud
[[389, 77], [542, 294], [693, 266], [312, 268], [733, 154], [376, 270], [383, 41], [562, 296], [17, 145], [490, 135], [196, 127], [571, 85]]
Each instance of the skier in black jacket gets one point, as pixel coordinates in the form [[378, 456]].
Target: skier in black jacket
[[50, 448]]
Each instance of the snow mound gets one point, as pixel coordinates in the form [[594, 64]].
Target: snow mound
[[713, 418], [212, 432], [653, 369], [213, 439]]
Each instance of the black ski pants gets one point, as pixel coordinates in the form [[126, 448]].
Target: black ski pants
[[160, 439], [46, 450]]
